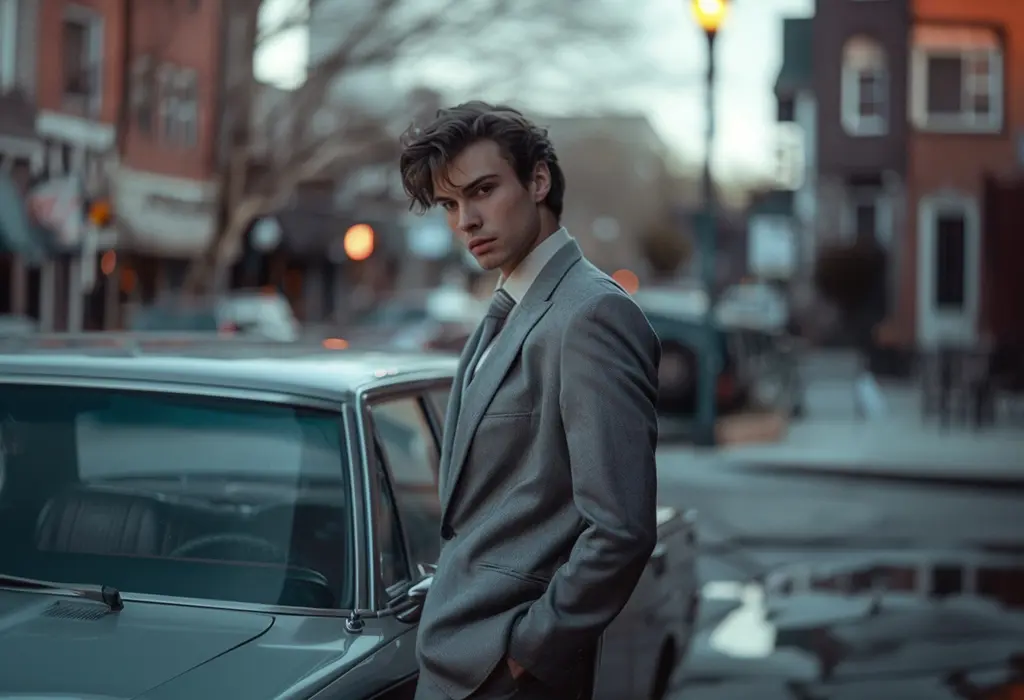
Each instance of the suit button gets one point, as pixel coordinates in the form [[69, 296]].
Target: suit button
[[447, 532]]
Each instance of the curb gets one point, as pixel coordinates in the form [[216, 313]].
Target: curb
[[747, 428], [920, 477]]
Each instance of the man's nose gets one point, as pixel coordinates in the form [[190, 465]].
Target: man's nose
[[469, 219]]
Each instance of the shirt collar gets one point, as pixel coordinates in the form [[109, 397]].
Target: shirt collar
[[519, 282]]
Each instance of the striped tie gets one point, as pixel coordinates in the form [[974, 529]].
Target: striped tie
[[501, 306]]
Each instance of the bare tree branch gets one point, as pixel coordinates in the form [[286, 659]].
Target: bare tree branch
[[314, 130]]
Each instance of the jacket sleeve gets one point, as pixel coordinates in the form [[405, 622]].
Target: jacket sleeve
[[607, 396]]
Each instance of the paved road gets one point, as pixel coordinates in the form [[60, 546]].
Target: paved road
[[742, 503], [751, 522]]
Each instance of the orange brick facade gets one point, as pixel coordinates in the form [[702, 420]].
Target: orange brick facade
[[50, 76], [943, 162], [184, 35]]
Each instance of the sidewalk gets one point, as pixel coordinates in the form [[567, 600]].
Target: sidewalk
[[892, 449], [898, 445]]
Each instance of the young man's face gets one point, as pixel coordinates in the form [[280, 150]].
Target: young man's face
[[489, 208]]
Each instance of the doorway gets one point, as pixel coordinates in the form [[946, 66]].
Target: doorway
[[948, 259]]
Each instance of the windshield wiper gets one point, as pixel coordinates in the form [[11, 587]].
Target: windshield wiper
[[108, 595]]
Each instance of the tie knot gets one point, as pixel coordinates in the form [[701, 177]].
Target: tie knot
[[501, 305]]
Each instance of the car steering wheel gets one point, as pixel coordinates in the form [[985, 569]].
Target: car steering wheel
[[268, 551]]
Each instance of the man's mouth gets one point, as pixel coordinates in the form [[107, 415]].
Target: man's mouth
[[478, 244]]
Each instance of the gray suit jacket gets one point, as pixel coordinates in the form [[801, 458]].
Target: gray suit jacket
[[548, 486]]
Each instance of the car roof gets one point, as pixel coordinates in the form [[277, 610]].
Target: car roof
[[293, 368]]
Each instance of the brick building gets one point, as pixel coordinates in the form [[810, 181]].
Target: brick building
[[188, 65], [133, 103], [966, 91]]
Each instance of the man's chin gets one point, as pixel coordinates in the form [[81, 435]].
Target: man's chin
[[488, 263]]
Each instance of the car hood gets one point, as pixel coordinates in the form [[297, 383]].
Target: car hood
[[59, 648], [56, 647]]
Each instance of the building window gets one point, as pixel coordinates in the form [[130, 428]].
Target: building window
[[868, 216], [957, 80], [188, 108], [142, 93], [82, 60], [179, 106], [865, 88]]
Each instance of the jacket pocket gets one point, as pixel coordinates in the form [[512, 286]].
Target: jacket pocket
[[534, 579]]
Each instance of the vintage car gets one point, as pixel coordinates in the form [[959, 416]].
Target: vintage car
[[755, 358], [203, 519]]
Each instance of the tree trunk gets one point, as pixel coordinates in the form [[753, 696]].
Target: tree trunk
[[208, 273]]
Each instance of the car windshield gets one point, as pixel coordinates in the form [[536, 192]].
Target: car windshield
[[176, 495]]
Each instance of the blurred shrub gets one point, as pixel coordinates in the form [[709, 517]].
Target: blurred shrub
[[666, 248], [848, 275]]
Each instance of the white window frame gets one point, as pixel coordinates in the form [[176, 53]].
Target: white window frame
[[964, 43], [186, 117], [93, 23], [179, 117], [8, 44], [864, 56], [167, 102], [142, 91], [936, 324]]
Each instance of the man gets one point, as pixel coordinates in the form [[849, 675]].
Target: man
[[547, 477]]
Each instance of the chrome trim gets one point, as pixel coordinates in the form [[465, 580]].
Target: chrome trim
[[403, 385], [178, 388], [370, 496], [360, 532], [215, 604]]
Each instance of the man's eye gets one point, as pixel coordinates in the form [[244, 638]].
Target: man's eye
[[485, 189], [449, 206]]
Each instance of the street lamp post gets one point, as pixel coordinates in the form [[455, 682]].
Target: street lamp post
[[709, 15]]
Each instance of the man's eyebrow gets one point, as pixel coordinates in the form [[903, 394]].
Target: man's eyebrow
[[476, 182]]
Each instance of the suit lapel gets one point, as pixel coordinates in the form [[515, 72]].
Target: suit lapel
[[491, 374], [451, 418]]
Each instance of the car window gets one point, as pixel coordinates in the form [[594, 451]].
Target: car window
[[174, 494], [394, 564], [410, 453], [438, 400]]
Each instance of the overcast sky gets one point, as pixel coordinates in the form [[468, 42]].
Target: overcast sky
[[748, 51]]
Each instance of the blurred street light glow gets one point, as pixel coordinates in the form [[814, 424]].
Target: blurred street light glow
[[710, 14], [358, 242], [627, 279]]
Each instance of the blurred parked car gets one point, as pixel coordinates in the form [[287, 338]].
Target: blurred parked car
[[756, 359], [259, 520], [440, 319], [252, 313], [15, 325]]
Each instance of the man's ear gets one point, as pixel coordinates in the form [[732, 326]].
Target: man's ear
[[541, 182]]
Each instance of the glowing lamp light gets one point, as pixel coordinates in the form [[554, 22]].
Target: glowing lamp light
[[100, 213], [335, 343], [108, 263], [358, 242], [627, 279], [710, 14]]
